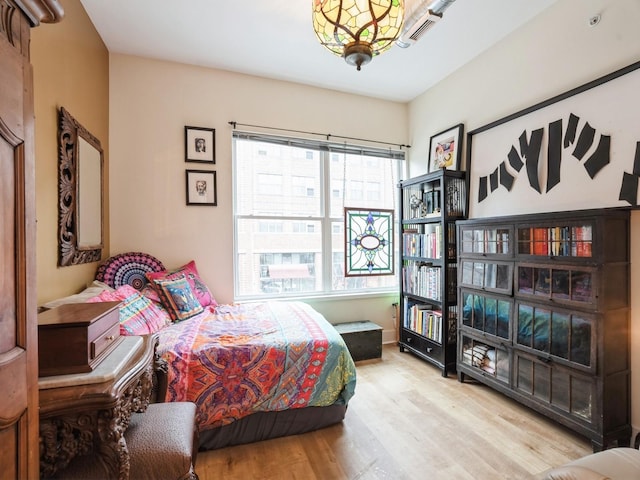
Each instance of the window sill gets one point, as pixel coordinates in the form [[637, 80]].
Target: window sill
[[321, 297]]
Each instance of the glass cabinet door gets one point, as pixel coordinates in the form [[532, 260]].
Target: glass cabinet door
[[563, 335], [487, 275], [562, 284], [562, 388], [487, 314], [485, 240], [555, 240], [492, 360]]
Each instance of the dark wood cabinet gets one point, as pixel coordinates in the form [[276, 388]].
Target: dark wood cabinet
[[430, 205], [544, 316], [18, 308], [89, 412], [76, 337]]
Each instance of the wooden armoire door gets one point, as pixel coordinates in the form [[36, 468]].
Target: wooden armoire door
[[19, 451]]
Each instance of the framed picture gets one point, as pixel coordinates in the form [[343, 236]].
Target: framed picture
[[445, 149], [201, 187], [200, 144], [555, 155]]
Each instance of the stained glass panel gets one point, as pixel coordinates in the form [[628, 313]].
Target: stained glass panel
[[369, 242]]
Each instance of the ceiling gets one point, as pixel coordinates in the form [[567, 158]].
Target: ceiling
[[275, 39]]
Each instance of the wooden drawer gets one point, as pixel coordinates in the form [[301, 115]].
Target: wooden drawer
[[75, 338], [104, 341]]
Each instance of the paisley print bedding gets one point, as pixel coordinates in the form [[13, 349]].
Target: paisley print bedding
[[256, 357]]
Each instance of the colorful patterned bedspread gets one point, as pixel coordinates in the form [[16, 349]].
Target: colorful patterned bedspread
[[256, 357]]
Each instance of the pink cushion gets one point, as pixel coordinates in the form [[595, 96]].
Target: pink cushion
[[200, 289], [138, 315]]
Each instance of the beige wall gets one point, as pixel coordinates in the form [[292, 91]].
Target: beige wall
[[550, 55], [71, 70], [150, 103]]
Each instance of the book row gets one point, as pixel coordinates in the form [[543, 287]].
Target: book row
[[565, 241], [425, 280], [422, 280], [428, 245], [425, 321]]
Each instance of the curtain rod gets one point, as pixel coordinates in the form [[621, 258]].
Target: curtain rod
[[327, 135]]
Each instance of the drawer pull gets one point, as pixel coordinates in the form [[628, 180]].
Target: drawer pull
[[429, 349], [110, 337]]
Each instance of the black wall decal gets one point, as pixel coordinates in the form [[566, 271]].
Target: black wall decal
[[514, 159], [636, 160], [531, 152], [629, 189], [606, 103], [493, 180], [506, 179], [482, 189], [585, 140], [600, 158], [570, 134], [554, 154]]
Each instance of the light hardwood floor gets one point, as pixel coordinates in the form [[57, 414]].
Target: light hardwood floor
[[408, 422]]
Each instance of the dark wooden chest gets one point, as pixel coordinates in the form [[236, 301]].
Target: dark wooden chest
[[74, 338], [363, 339]]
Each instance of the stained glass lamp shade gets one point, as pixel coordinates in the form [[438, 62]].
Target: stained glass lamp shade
[[358, 29], [369, 242]]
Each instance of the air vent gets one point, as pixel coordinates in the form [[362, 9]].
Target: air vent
[[421, 28], [424, 16]]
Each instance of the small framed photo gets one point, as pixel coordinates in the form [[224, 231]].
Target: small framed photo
[[201, 187], [445, 149], [200, 144]]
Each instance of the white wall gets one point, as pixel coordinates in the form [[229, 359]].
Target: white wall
[[554, 53], [151, 102]]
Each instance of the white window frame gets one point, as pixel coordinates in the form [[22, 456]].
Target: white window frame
[[327, 156]]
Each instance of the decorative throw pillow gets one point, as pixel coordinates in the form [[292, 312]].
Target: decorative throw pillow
[[178, 298], [128, 269], [190, 272], [150, 292], [138, 315]]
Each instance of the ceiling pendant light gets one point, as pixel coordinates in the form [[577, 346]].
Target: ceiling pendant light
[[358, 29]]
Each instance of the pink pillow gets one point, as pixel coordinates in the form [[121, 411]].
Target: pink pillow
[[200, 289], [138, 315]]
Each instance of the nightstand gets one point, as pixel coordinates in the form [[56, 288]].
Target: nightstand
[[89, 412]]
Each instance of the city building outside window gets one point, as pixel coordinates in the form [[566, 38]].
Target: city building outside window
[[289, 200]]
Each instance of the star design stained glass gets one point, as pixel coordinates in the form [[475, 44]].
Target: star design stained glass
[[369, 242]]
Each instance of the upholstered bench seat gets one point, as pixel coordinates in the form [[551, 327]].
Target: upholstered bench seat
[[162, 444]]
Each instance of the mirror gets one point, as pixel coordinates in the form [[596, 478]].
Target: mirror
[[80, 188]]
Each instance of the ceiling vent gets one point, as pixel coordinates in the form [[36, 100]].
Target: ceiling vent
[[422, 18]]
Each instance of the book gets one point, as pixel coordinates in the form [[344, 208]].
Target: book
[[540, 241]]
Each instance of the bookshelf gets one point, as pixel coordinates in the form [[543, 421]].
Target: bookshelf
[[430, 205], [544, 306]]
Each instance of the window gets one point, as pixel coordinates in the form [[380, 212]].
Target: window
[[289, 208]]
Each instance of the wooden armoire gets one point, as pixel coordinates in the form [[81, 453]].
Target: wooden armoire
[[19, 452]]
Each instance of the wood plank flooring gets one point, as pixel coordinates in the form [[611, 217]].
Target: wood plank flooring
[[408, 422]]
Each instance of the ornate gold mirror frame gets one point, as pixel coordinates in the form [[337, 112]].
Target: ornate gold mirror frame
[[80, 193]]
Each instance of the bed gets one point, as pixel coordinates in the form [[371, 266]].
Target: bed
[[255, 371]]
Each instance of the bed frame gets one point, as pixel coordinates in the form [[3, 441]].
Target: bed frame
[[258, 426]]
